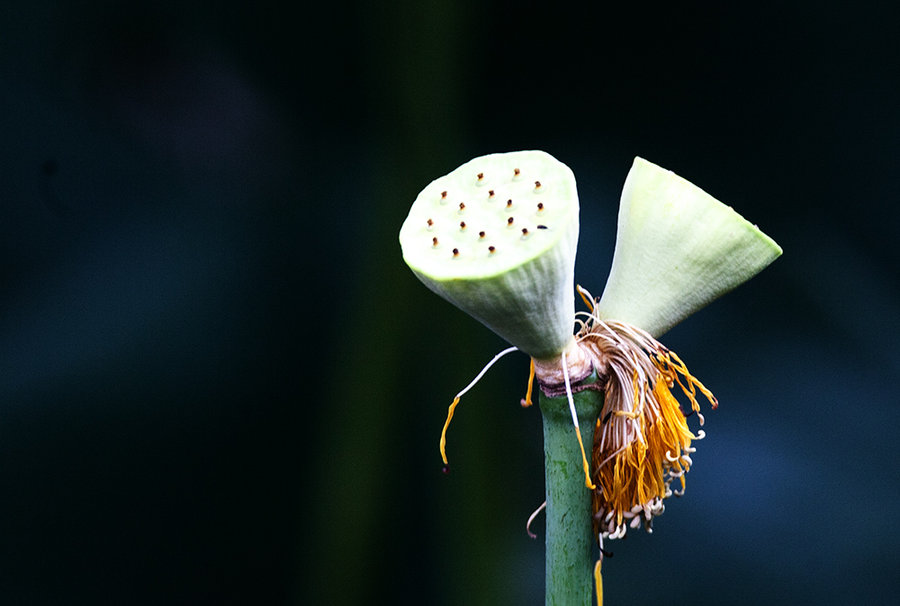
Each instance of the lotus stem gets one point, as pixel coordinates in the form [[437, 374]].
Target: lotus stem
[[569, 561]]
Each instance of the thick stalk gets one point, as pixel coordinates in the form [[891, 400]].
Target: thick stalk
[[569, 566]]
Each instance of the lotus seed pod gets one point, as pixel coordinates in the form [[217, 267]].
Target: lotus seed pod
[[677, 249], [497, 237]]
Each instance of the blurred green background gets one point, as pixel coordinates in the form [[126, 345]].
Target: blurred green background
[[220, 384]]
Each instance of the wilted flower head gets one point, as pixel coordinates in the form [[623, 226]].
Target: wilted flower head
[[497, 238]]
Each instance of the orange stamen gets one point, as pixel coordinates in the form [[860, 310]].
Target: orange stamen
[[598, 582], [526, 401], [584, 297], [446, 426], [453, 405]]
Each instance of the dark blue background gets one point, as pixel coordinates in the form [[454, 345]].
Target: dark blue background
[[220, 384]]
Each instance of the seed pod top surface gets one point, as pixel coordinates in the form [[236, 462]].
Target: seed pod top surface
[[497, 211]]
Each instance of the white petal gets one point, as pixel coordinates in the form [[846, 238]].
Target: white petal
[[677, 249]]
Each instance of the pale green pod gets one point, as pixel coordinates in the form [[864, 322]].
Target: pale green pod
[[677, 249], [497, 237]]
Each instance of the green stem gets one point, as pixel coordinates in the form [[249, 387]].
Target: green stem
[[569, 567]]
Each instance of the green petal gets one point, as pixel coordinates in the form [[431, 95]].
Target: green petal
[[464, 239], [677, 249]]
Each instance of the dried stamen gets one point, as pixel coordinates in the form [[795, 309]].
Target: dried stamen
[[456, 399], [584, 461], [642, 442], [526, 401], [531, 518]]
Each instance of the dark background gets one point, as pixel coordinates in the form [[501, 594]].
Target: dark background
[[220, 384]]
